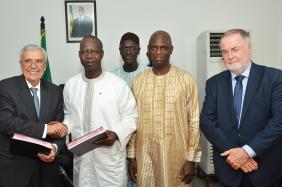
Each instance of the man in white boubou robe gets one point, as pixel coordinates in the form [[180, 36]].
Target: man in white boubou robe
[[93, 99]]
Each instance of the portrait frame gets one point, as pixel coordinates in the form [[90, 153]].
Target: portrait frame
[[81, 20]]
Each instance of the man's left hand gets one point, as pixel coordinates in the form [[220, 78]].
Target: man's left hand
[[50, 157], [109, 141], [236, 157], [187, 172]]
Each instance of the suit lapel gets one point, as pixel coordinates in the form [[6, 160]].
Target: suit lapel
[[27, 99], [227, 85], [251, 89], [44, 101]]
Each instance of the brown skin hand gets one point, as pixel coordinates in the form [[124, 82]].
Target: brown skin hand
[[109, 141], [187, 172], [132, 167]]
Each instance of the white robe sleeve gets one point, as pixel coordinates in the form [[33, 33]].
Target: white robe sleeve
[[128, 116], [66, 108]]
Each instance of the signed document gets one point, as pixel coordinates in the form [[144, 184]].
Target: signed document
[[28, 146], [86, 143]]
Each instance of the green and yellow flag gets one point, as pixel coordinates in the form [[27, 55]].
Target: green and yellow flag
[[47, 73], [70, 17]]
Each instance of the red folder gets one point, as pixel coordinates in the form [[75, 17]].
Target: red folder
[[27, 146], [85, 143]]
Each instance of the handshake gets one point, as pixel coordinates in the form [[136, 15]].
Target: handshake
[[56, 129]]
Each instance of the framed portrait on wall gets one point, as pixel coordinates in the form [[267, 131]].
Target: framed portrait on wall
[[81, 20]]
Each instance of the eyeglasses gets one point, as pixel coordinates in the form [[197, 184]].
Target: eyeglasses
[[89, 52], [37, 62]]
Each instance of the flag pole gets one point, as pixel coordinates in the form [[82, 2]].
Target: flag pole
[[42, 24], [47, 73]]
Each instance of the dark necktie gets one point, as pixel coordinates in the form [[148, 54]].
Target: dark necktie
[[35, 100], [238, 92]]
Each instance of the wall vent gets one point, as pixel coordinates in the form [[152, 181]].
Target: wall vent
[[214, 44]]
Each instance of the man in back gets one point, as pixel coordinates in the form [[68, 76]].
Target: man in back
[[129, 50]]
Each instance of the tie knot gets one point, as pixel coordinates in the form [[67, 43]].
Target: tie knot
[[239, 78], [34, 90]]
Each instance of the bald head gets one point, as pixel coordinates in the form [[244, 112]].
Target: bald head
[[160, 34], [159, 50]]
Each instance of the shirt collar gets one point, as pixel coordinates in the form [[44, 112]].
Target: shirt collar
[[94, 79], [30, 86]]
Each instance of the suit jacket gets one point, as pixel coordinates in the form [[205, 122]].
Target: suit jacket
[[83, 28], [260, 127], [18, 114]]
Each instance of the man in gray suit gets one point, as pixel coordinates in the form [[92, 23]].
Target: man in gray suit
[[32, 107]]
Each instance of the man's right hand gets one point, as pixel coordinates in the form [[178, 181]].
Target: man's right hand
[[56, 129], [50, 157], [236, 157], [132, 169]]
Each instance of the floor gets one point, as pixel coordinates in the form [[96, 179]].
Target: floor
[[205, 181]]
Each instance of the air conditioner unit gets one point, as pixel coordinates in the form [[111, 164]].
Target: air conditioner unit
[[209, 59], [206, 164], [209, 63]]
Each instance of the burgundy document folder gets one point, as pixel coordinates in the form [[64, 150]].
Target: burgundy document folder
[[85, 143], [27, 146]]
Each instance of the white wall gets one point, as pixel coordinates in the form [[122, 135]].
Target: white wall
[[183, 19]]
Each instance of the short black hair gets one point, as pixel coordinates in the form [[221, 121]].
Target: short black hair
[[92, 37], [129, 36]]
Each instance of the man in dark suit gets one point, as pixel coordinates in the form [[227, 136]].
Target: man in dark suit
[[83, 25], [32, 113], [242, 117]]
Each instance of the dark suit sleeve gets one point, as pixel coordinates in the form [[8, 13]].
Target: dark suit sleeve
[[13, 118], [208, 120], [272, 132]]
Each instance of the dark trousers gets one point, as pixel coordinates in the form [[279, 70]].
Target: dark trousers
[[35, 178], [46, 175], [247, 183]]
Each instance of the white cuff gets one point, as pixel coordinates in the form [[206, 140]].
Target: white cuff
[[45, 132], [249, 151]]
